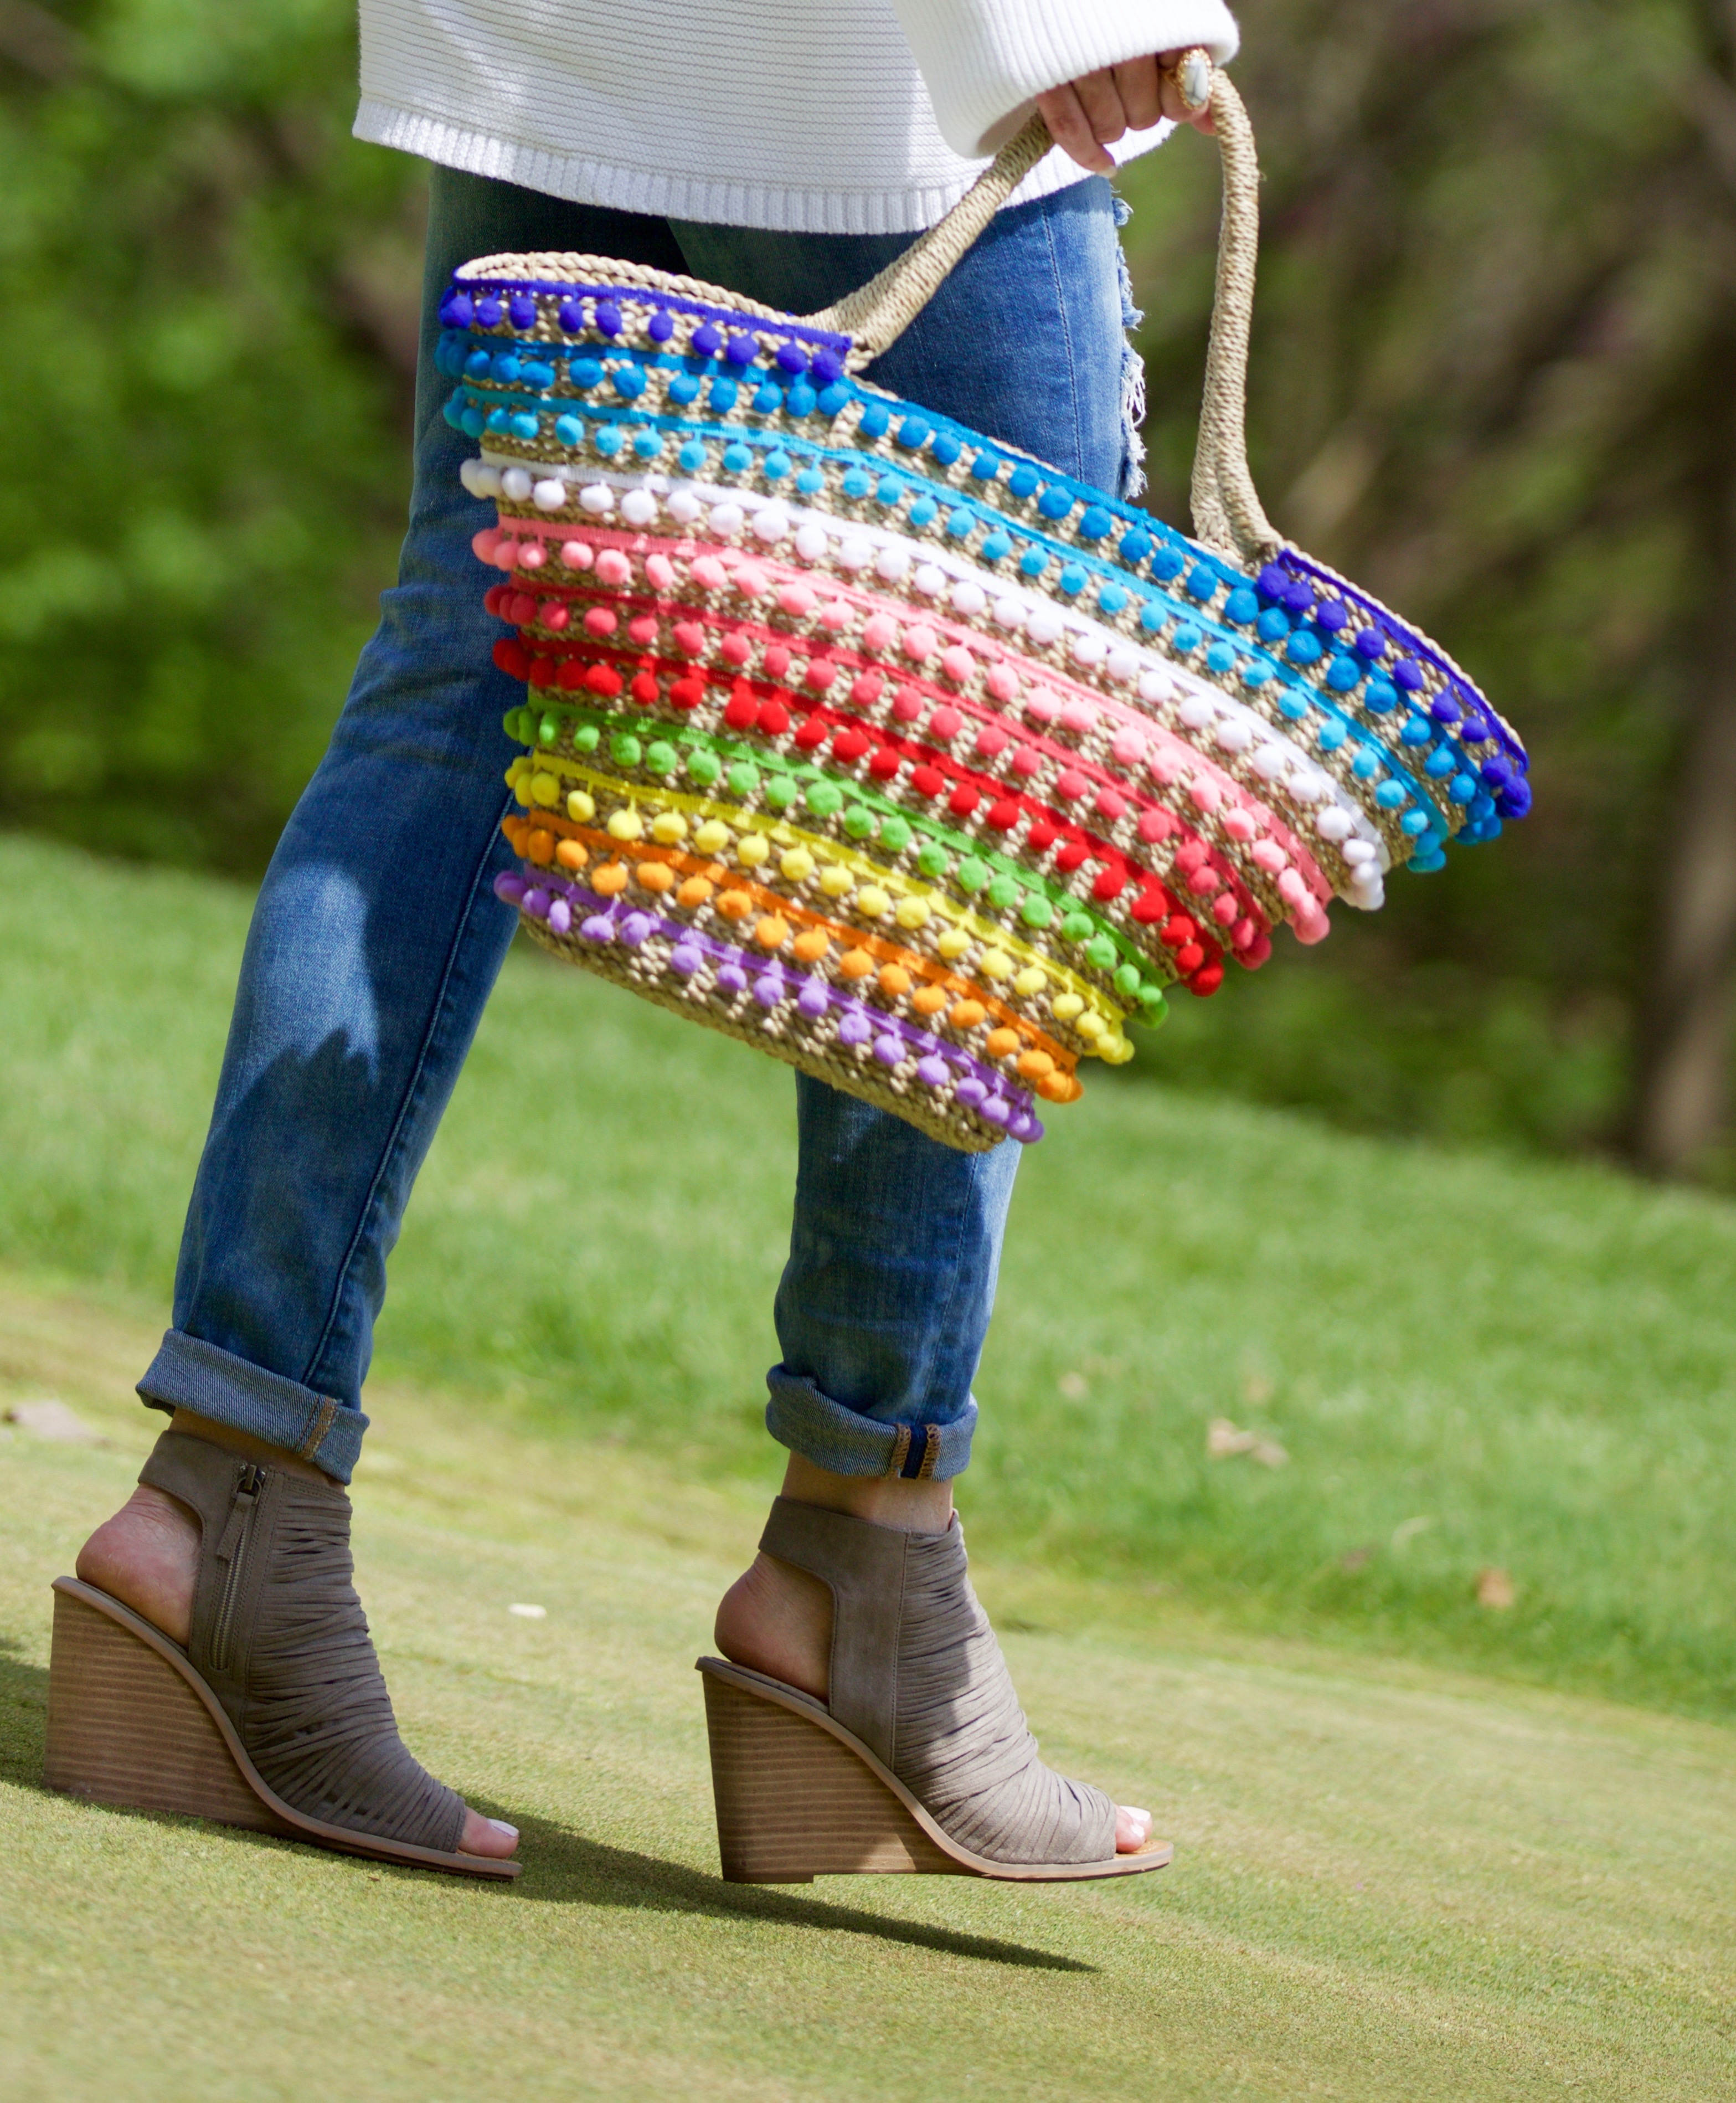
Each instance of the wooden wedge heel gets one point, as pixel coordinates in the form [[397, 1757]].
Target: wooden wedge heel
[[275, 1716], [131, 1722], [799, 1796], [919, 1762]]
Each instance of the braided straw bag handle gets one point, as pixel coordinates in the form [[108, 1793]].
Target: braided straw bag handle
[[1226, 510]]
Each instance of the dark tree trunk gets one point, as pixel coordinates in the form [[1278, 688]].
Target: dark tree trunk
[[1682, 1080]]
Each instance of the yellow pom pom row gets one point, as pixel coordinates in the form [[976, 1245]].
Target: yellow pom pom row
[[896, 971]]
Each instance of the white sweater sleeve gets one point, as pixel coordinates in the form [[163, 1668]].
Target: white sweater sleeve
[[985, 61]]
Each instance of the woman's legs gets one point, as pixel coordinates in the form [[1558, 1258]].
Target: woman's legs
[[376, 940], [374, 943], [885, 1300]]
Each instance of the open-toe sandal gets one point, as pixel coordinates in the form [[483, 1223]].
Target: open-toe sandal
[[275, 1716], [921, 1759]]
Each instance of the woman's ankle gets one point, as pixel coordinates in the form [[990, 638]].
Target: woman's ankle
[[922, 1505], [249, 1448]]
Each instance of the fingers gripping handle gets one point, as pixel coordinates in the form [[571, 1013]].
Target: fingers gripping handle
[[1226, 510]]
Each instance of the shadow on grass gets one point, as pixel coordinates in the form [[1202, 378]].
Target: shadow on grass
[[562, 1867], [566, 1868], [24, 1718]]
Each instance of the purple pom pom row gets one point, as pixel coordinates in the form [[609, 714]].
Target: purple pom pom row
[[472, 302], [940, 1066]]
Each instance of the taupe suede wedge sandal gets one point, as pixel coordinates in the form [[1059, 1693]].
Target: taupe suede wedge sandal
[[920, 1761], [276, 1716]]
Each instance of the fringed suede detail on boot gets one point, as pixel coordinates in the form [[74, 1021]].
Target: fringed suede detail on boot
[[918, 1675], [961, 1744], [279, 1636]]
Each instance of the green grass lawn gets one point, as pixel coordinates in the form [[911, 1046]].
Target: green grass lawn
[[1394, 1883], [1471, 1362], [1400, 1872]]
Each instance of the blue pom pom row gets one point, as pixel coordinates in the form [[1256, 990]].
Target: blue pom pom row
[[1361, 649]]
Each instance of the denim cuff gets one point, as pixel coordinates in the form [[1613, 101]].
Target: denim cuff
[[187, 1373], [844, 1441]]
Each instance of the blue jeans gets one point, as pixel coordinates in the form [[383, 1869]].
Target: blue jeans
[[360, 994]]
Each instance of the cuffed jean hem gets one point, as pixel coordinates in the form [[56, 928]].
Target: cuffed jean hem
[[189, 1374], [844, 1441]]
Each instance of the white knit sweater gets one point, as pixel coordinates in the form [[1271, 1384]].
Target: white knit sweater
[[821, 116]]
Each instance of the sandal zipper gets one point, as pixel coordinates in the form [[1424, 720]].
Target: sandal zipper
[[232, 1549]]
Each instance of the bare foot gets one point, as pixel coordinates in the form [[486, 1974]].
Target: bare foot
[[777, 1620], [147, 1557]]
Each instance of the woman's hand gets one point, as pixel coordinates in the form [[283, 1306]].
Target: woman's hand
[[1087, 115]]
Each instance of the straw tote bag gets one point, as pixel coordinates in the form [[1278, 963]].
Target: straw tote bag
[[885, 748]]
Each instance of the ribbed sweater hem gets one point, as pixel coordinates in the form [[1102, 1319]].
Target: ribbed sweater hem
[[715, 200]]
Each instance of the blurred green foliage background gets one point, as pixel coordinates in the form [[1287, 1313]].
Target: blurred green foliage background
[[1495, 379]]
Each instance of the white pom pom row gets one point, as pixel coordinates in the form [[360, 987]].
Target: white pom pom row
[[1234, 726]]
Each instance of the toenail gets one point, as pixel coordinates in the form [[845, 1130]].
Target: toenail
[[500, 1825]]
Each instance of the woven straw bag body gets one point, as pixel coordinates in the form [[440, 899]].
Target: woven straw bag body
[[885, 748]]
